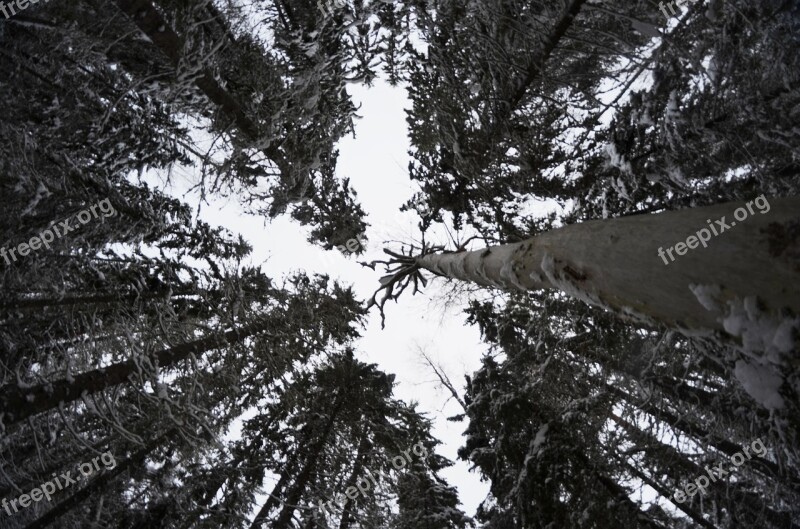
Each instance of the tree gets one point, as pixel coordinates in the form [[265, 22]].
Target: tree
[[606, 263], [23, 402], [343, 429], [583, 107], [427, 502], [567, 414]]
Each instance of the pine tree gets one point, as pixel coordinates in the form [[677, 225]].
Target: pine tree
[[564, 380]]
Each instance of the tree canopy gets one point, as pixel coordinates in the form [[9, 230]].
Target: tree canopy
[[229, 398]]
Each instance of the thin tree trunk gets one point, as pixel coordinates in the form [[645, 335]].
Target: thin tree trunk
[[618, 493], [534, 70], [677, 465], [19, 403], [205, 495], [700, 400], [703, 436], [358, 468], [37, 303], [32, 481], [150, 21], [687, 510], [98, 483], [274, 499], [615, 264], [309, 467], [209, 493]]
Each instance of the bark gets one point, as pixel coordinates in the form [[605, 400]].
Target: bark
[[615, 264], [19, 403]]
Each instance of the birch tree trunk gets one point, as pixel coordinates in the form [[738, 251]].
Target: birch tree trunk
[[740, 285]]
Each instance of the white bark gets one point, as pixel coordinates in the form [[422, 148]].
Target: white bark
[[615, 264]]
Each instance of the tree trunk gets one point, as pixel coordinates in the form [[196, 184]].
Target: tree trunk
[[150, 21], [19, 403], [98, 483], [615, 264], [534, 69], [30, 458], [206, 494], [309, 467], [687, 510], [619, 493], [274, 499], [669, 461], [87, 300], [702, 436], [358, 467]]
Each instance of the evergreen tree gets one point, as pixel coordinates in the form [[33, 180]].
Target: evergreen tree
[[572, 406]]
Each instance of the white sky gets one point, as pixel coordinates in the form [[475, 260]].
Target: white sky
[[376, 162]]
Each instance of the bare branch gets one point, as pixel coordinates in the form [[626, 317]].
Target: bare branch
[[444, 380], [402, 269]]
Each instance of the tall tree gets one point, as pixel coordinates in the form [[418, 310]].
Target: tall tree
[[544, 425], [607, 262]]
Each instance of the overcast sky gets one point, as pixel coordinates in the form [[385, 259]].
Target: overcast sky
[[376, 162]]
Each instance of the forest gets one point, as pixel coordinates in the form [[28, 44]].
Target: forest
[[619, 188]]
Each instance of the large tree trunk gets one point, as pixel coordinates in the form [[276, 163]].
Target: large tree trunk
[[19, 403], [615, 264]]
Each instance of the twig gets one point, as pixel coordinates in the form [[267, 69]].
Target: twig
[[444, 379]]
